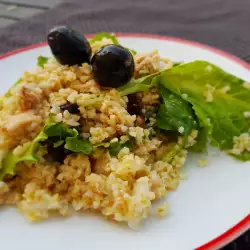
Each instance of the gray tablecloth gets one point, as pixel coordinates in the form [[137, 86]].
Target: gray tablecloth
[[224, 24], [221, 23]]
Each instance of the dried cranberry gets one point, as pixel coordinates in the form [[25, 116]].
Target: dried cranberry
[[72, 108], [57, 154], [134, 104]]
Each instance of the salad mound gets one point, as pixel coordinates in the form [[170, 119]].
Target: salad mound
[[101, 127]]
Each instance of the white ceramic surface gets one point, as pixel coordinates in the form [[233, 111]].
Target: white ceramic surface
[[209, 202]]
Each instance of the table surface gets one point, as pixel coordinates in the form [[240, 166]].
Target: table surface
[[12, 11]]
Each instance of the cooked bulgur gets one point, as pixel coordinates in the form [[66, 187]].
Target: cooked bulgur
[[202, 163]]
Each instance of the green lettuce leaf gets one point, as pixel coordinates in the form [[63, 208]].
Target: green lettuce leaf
[[8, 94], [116, 147], [8, 165], [62, 134], [41, 60], [177, 64], [59, 133], [245, 156], [77, 145], [140, 85], [100, 36], [201, 142], [224, 116], [103, 144], [10, 161], [175, 113], [161, 120], [58, 143], [59, 130], [176, 147]]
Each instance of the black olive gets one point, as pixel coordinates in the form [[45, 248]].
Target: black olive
[[134, 104], [57, 154], [68, 46], [72, 108], [112, 66]]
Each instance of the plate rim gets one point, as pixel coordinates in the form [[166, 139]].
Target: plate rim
[[243, 225]]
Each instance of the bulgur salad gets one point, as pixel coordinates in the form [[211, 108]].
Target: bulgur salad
[[100, 127]]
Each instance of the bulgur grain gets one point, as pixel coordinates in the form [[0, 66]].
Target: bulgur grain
[[202, 163], [162, 210], [246, 85], [208, 93]]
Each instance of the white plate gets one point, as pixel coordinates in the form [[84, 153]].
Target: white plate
[[210, 202]]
